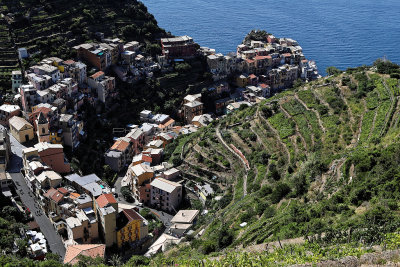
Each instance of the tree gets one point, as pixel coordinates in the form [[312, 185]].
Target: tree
[[298, 83], [333, 70], [138, 261], [385, 66], [115, 260], [153, 49], [52, 256], [280, 191], [22, 244], [183, 67]]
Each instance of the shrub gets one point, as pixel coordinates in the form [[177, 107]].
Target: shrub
[[208, 246], [183, 67], [127, 194], [281, 190]]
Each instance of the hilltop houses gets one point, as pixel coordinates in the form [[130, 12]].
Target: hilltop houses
[[277, 62]]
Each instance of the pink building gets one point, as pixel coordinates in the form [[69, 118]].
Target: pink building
[[53, 156], [165, 195]]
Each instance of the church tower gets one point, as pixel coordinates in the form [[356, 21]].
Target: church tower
[[42, 126]]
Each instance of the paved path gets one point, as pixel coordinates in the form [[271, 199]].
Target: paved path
[[15, 163], [53, 239], [46, 227], [219, 136]]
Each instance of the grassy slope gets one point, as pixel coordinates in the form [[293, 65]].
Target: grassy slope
[[323, 159]]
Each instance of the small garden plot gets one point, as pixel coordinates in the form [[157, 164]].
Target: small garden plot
[[394, 86], [380, 119], [383, 93], [283, 125], [308, 98], [294, 107], [373, 100], [367, 125]]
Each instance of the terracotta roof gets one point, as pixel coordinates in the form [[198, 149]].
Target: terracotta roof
[[43, 110], [252, 76], [263, 85], [90, 250], [50, 193], [146, 158], [57, 197], [33, 225], [120, 145], [97, 75], [62, 190], [261, 57], [166, 124], [177, 129], [69, 62], [249, 60], [132, 215], [105, 199], [74, 195]]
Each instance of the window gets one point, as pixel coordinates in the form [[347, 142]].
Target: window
[[43, 131]]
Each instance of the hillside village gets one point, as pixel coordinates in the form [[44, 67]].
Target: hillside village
[[142, 212]]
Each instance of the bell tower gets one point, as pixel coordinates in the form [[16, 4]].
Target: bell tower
[[42, 126]]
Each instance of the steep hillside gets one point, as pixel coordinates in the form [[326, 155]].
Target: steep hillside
[[51, 28], [323, 161]]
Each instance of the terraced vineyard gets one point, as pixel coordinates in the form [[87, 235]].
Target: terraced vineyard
[[313, 155], [8, 56]]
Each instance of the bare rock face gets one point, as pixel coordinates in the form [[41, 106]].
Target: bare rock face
[[350, 261], [384, 258]]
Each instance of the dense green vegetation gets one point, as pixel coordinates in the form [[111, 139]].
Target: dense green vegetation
[[45, 29], [322, 159], [11, 221]]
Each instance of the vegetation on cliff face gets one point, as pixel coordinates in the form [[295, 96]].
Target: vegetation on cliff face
[[51, 28]]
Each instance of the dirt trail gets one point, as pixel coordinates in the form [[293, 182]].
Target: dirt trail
[[347, 104], [392, 106], [297, 127], [373, 124], [277, 135], [219, 136], [312, 110]]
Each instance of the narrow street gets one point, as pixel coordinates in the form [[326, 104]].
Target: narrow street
[[54, 240]]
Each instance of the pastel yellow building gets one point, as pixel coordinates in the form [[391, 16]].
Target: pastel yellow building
[[141, 173], [21, 129], [56, 136], [131, 227], [241, 81]]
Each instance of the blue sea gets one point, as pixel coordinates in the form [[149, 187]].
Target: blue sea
[[341, 33]]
